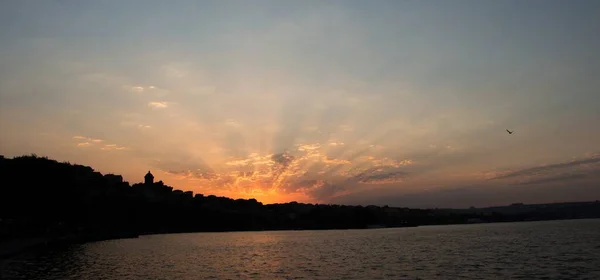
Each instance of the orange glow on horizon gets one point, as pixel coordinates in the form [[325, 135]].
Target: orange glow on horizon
[[263, 194]]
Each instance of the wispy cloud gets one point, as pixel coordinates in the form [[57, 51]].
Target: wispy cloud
[[140, 89], [137, 89], [158, 104], [562, 173], [91, 142], [113, 147], [378, 176], [87, 139], [546, 169], [557, 179], [309, 147]]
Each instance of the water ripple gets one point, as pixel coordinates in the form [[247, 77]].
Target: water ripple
[[537, 250]]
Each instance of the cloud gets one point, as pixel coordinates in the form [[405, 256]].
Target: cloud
[[305, 168], [309, 147], [322, 190], [88, 139], [158, 104], [182, 164], [380, 176], [113, 147], [283, 159], [318, 189], [252, 159], [557, 179], [385, 162], [137, 89], [282, 162], [140, 89], [135, 124], [88, 142], [333, 161], [563, 174], [545, 169], [239, 162]]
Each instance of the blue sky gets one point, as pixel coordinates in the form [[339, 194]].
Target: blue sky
[[385, 102]]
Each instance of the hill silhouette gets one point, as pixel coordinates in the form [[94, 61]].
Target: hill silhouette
[[51, 200]]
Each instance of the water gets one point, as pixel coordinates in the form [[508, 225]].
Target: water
[[533, 250]]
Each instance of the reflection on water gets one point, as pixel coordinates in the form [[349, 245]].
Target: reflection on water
[[536, 250]]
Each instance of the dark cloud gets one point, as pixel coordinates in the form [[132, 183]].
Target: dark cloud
[[556, 179], [387, 177], [379, 174], [539, 170], [283, 159], [282, 162], [325, 191], [316, 189]]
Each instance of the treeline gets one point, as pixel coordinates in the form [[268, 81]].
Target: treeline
[[43, 197]]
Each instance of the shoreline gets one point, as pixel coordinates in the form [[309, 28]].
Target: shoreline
[[14, 247]]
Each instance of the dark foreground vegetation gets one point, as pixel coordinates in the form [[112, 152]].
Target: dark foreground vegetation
[[45, 200]]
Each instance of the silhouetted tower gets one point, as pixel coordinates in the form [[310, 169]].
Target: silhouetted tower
[[149, 178]]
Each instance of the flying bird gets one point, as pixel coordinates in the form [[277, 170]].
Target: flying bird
[[509, 132]]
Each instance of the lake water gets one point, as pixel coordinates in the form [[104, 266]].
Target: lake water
[[531, 250]]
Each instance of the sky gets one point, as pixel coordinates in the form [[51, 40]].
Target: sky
[[400, 103]]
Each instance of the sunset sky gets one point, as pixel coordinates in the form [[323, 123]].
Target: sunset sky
[[404, 103]]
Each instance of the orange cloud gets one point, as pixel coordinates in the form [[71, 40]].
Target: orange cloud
[[88, 141], [307, 170], [111, 147]]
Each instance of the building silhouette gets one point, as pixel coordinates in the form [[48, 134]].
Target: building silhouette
[[149, 178]]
